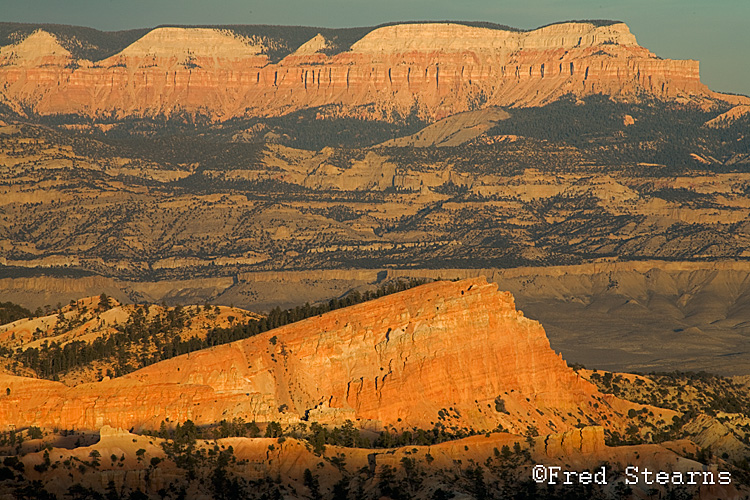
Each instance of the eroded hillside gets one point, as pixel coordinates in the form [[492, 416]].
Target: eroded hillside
[[440, 390], [169, 207]]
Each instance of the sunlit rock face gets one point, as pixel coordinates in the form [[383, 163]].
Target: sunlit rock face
[[435, 69], [456, 353]]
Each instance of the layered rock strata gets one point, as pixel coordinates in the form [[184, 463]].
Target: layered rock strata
[[456, 353], [438, 69]]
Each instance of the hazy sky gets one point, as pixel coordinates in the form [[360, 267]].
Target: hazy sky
[[713, 32]]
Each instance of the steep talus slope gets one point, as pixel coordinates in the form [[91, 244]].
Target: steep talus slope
[[437, 69], [451, 352]]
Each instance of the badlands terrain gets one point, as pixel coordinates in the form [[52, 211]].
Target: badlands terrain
[[439, 391], [185, 211]]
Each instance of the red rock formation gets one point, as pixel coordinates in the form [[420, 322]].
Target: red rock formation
[[262, 458], [452, 352], [442, 69]]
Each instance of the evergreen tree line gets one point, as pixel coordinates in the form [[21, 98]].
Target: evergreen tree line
[[10, 312], [141, 341], [319, 436]]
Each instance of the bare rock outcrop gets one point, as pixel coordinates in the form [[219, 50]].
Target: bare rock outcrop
[[456, 353]]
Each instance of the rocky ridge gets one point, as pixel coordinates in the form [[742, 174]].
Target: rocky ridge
[[447, 345], [697, 310], [456, 353]]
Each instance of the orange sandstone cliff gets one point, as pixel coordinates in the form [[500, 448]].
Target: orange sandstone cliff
[[458, 353], [438, 69]]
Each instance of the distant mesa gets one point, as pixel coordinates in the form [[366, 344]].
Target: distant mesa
[[383, 73]]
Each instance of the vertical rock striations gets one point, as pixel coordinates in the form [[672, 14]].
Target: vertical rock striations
[[438, 69]]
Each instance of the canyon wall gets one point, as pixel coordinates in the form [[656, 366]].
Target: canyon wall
[[437, 69]]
